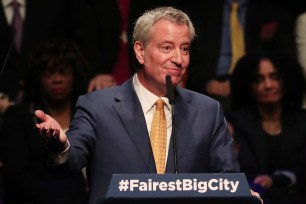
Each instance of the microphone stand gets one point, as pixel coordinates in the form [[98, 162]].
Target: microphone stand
[[170, 95], [174, 140]]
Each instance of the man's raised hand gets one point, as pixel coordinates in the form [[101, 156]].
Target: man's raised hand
[[49, 127]]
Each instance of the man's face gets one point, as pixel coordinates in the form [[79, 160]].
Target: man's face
[[268, 86], [166, 53]]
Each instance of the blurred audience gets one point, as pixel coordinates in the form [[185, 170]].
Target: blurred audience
[[267, 93], [23, 23], [295, 7], [265, 28], [101, 29], [57, 75]]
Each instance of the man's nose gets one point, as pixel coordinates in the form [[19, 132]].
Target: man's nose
[[177, 57]]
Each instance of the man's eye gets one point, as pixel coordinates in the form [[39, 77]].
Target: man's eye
[[185, 50], [165, 48]]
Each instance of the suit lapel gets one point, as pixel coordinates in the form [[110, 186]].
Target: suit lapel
[[184, 115], [130, 111], [5, 27]]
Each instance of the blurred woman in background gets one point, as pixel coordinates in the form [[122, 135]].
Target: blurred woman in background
[[57, 75], [266, 100]]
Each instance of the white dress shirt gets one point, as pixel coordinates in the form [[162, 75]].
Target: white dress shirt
[[8, 9], [147, 101]]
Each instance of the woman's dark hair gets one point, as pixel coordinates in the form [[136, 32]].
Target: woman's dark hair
[[245, 74], [54, 54]]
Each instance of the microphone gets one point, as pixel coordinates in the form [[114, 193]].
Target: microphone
[[170, 96], [170, 92]]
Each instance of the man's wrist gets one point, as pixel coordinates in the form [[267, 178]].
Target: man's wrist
[[55, 159]]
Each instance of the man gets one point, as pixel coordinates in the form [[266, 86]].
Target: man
[[110, 130], [113, 25]]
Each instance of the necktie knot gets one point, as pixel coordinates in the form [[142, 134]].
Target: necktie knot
[[15, 4], [235, 6], [159, 104]]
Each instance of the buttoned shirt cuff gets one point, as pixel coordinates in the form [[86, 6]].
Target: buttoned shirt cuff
[[57, 159]]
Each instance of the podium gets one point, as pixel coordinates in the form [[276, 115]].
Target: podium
[[215, 188]]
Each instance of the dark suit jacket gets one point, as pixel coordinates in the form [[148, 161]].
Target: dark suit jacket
[[109, 134], [254, 148], [44, 20], [267, 29]]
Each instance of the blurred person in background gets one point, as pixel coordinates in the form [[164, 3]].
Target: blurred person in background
[[267, 93], [57, 75], [264, 28]]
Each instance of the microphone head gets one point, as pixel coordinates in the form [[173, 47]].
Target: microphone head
[[170, 90]]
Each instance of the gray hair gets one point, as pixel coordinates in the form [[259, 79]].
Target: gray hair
[[145, 22]]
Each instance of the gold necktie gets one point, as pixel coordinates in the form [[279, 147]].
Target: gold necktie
[[237, 36], [158, 136]]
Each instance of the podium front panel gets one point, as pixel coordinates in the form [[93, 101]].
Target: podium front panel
[[215, 188]]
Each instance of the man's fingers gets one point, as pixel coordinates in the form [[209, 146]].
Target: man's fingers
[[48, 126], [44, 131], [49, 132], [56, 133], [41, 115]]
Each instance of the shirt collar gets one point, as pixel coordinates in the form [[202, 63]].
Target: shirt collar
[[7, 3], [242, 3], [147, 98]]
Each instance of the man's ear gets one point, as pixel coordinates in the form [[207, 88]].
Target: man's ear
[[139, 51]]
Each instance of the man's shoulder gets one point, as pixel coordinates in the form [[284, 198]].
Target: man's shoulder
[[198, 100], [99, 96], [110, 91], [195, 96]]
